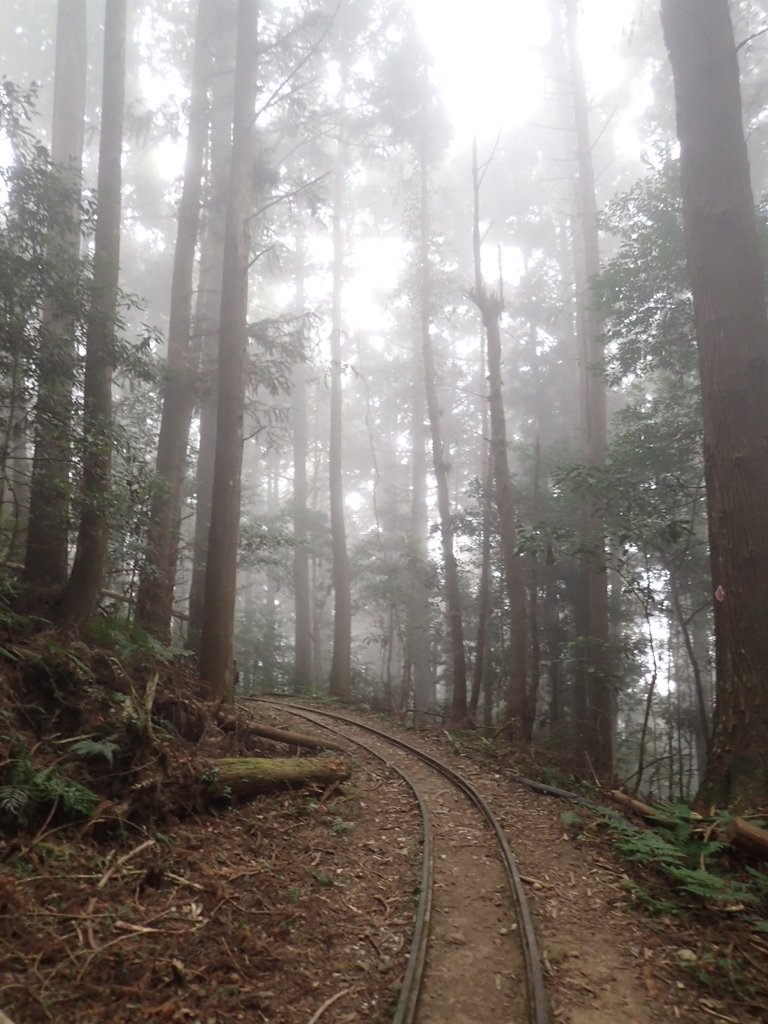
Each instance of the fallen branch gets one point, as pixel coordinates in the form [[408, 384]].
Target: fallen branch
[[328, 1002], [292, 739], [644, 810]]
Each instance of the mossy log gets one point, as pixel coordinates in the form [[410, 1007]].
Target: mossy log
[[246, 777]]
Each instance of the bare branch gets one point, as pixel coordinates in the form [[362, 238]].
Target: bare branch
[[755, 35], [310, 53]]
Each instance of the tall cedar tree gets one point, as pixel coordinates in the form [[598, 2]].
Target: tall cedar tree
[[600, 720], [80, 597], [341, 666], [491, 307], [302, 669], [154, 601], [417, 600], [458, 715], [208, 306], [46, 559], [728, 285], [217, 640]]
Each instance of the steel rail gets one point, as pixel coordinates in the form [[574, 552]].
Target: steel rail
[[410, 990], [537, 1000]]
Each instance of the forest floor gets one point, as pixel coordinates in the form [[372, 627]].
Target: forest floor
[[297, 908]]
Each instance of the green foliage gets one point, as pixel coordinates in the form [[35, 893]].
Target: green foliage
[[655, 906], [106, 748], [572, 821], [685, 857], [27, 793], [129, 641]]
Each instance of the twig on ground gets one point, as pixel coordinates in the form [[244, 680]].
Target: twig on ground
[[329, 1002]]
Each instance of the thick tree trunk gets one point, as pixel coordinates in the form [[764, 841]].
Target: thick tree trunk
[[491, 307], [302, 624], [479, 668], [600, 724], [80, 597], [209, 307], [418, 611], [47, 540], [154, 601], [458, 715], [217, 641], [727, 281], [341, 664]]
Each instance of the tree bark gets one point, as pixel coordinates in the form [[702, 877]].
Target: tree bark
[[303, 676], [244, 777], [47, 540], [600, 724], [217, 640], [458, 715], [491, 307], [341, 664], [208, 305], [418, 610], [727, 281], [80, 597], [154, 601]]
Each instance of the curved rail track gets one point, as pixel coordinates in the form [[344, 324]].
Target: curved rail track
[[416, 979]]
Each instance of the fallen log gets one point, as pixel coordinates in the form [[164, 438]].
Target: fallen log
[[292, 739], [738, 832], [749, 837], [644, 810], [246, 777]]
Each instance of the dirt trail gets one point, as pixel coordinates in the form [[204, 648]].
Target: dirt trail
[[300, 907]]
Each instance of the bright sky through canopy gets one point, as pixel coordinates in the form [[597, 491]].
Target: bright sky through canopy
[[488, 56], [486, 60]]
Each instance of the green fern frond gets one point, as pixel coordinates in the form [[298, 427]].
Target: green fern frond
[[105, 748], [13, 799]]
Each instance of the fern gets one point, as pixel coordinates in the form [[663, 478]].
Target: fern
[[649, 847], [75, 798], [708, 886], [106, 748], [13, 800], [27, 791]]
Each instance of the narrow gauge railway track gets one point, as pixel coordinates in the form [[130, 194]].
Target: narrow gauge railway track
[[462, 966]]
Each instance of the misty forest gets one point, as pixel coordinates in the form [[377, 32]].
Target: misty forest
[[377, 355]]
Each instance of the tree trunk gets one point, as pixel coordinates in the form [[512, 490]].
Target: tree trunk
[[80, 597], [727, 282], [600, 724], [458, 715], [47, 540], [341, 664], [154, 602], [302, 625], [217, 641], [418, 611], [209, 307], [491, 307]]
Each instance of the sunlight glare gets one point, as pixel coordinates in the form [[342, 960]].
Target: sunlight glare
[[486, 61]]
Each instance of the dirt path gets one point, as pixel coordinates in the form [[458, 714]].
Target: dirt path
[[299, 908], [474, 967]]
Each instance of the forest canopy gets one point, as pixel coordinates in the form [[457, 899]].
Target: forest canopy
[[341, 354]]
